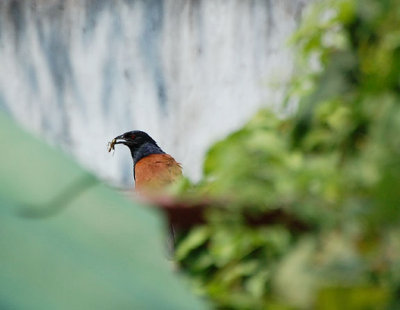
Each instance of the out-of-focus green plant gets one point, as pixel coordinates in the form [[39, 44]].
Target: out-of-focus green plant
[[334, 166]]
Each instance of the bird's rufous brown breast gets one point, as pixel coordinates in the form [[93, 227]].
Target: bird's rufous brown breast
[[155, 172]]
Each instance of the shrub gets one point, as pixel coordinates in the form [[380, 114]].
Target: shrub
[[333, 166]]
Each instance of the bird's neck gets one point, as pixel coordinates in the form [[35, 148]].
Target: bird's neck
[[144, 150]]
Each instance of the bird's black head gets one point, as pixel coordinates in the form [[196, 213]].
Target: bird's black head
[[139, 143], [134, 139]]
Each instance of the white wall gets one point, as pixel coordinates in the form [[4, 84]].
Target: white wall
[[188, 72]]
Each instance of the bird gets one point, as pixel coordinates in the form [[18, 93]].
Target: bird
[[153, 169]]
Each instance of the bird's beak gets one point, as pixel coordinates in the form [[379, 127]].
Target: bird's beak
[[119, 140], [116, 140]]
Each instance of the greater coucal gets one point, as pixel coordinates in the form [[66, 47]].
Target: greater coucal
[[153, 169]]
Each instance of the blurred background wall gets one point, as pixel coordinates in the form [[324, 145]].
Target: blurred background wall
[[188, 72]]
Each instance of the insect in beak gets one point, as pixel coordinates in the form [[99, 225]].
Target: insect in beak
[[111, 145]]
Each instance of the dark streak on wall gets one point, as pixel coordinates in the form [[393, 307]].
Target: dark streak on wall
[[17, 18], [150, 39]]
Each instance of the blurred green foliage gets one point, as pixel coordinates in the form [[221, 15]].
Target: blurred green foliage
[[334, 165]]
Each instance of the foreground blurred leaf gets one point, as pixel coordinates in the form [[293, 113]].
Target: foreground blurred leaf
[[69, 242]]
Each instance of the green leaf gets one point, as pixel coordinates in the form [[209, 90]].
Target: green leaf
[[197, 238]]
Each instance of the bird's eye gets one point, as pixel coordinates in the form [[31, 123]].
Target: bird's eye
[[133, 137]]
